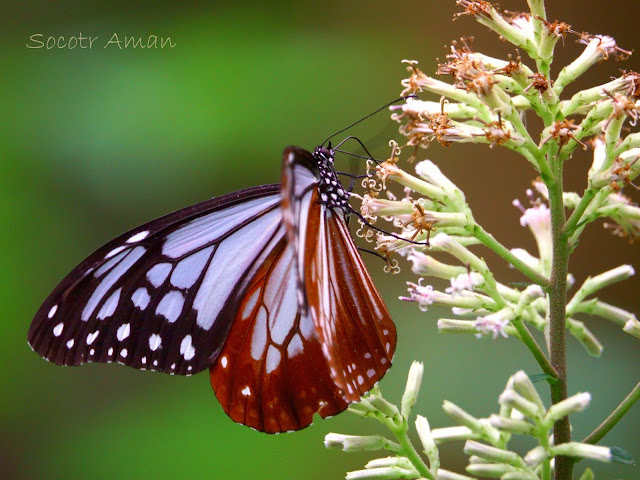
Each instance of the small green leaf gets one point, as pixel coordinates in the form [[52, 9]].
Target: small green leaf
[[542, 377], [587, 475], [619, 455]]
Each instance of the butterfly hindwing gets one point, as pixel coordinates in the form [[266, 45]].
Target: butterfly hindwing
[[159, 296], [353, 325], [271, 374]]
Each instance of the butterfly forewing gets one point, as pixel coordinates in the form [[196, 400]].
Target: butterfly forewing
[[159, 296]]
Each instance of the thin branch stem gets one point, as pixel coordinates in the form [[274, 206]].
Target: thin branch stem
[[576, 216], [534, 348], [406, 447], [604, 428], [490, 242]]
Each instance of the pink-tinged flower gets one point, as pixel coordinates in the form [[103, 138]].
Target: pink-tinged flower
[[465, 281], [538, 219], [423, 294], [493, 324]]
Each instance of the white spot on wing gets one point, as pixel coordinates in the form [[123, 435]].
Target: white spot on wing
[[273, 358], [367, 355], [158, 274], [70, 343], [186, 348], [170, 307], [188, 271], [223, 361], [360, 380], [110, 279], [371, 372], [144, 360], [110, 352], [57, 330], [92, 336], [246, 391], [123, 332], [259, 336], [138, 236], [251, 303], [124, 353], [53, 311], [295, 346], [155, 341], [110, 305], [141, 298], [114, 251]]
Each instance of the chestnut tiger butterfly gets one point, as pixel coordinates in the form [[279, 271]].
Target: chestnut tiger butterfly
[[264, 287]]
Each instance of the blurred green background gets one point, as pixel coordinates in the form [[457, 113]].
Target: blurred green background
[[95, 142]]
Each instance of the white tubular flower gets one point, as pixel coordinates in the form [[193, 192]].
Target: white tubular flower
[[490, 453], [573, 404], [523, 385], [583, 450], [632, 327], [464, 282], [355, 443], [511, 425], [516, 401], [425, 265], [599, 157], [447, 475], [382, 473], [538, 219], [452, 434], [429, 171], [599, 47], [535, 456], [524, 23], [494, 323], [414, 380], [373, 207], [424, 295], [526, 257]]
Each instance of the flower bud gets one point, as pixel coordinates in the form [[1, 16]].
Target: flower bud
[[490, 453], [573, 404], [514, 400], [412, 389], [355, 443]]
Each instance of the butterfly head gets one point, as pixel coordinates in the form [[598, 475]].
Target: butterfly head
[[332, 193]]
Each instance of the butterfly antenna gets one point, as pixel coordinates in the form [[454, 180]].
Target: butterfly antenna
[[370, 115], [351, 137]]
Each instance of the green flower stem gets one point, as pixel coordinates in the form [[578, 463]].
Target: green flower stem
[[534, 348], [557, 314], [576, 216], [590, 215], [631, 141], [406, 447], [537, 10], [490, 242], [604, 428]]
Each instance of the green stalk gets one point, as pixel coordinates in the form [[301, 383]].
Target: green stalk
[[604, 428], [557, 314], [534, 348], [406, 447], [490, 242]]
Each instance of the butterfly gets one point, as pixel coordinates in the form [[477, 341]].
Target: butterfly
[[264, 287]]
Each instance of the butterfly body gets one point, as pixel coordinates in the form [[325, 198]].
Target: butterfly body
[[265, 287]]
